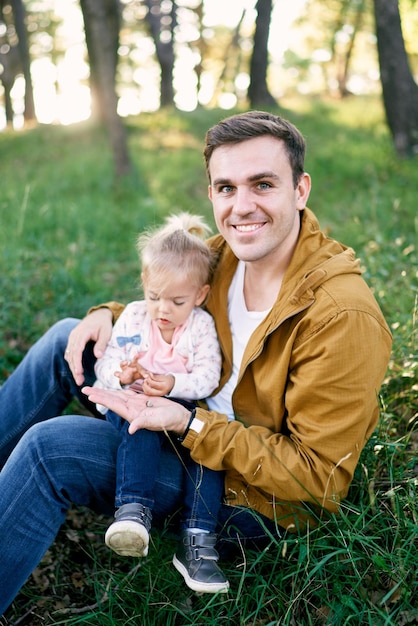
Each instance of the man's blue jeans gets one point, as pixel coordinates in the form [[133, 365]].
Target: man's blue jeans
[[70, 459]]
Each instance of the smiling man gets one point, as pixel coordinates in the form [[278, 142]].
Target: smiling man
[[304, 345], [257, 208]]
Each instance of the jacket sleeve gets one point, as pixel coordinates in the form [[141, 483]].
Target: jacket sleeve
[[206, 361], [115, 307], [330, 407]]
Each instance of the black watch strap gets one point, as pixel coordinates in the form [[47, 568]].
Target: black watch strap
[[183, 436]]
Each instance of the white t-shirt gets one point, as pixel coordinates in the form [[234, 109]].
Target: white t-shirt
[[242, 323]]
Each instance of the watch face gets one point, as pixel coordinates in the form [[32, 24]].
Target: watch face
[[196, 425]]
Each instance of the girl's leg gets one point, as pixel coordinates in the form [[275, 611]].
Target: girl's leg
[[137, 464], [41, 386], [138, 460], [196, 557], [204, 489]]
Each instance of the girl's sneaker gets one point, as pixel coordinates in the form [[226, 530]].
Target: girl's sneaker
[[196, 560], [129, 533]]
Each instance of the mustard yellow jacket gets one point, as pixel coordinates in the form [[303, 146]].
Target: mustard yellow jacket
[[307, 394]]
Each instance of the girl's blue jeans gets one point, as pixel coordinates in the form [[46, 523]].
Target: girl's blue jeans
[[56, 461], [137, 463]]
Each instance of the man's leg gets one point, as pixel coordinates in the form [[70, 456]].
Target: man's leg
[[63, 460], [69, 459], [241, 527], [40, 387]]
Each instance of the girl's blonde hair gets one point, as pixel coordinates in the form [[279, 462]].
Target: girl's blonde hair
[[177, 248]]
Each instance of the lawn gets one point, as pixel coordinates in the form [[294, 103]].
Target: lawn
[[67, 241]]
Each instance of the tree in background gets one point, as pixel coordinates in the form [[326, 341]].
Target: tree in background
[[19, 13], [400, 92], [10, 68], [102, 23], [14, 57], [229, 59], [101, 30], [199, 47], [350, 17], [338, 43], [162, 20], [333, 50], [258, 92]]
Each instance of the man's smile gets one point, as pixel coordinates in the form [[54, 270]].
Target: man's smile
[[247, 228]]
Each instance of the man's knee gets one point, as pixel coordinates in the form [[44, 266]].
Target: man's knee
[[58, 333]]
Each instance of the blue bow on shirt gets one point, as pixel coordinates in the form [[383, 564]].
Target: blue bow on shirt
[[123, 341]]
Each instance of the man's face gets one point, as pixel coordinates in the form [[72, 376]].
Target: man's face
[[255, 204]]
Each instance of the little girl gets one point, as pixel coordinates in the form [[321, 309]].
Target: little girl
[[166, 345]]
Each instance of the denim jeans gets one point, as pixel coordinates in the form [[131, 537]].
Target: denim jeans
[[137, 463], [41, 386], [72, 459]]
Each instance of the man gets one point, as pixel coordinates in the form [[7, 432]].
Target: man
[[305, 349]]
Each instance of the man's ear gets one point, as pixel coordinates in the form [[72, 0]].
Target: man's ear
[[303, 189]]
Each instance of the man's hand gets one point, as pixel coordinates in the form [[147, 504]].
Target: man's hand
[[97, 327], [141, 410]]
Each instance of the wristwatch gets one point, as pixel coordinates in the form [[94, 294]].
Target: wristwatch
[[194, 424]]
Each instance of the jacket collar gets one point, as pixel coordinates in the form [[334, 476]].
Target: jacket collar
[[316, 259]]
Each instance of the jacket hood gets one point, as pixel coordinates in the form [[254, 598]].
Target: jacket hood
[[317, 259]]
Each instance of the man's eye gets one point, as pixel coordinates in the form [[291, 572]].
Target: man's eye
[[264, 185], [225, 189]]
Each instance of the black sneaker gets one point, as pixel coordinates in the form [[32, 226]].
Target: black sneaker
[[196, 560], [129, 533]]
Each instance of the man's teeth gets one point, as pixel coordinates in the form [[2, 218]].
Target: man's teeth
[[245, 228]]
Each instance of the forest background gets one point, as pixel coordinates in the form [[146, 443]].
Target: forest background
[[135, 55], [69, 214]]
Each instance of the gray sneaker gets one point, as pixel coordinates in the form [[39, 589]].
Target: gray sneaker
[[196, 560], [129, 533]]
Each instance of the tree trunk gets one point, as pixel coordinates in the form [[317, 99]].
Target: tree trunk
[[343, 73], [201, 46], [19, 20], [97, 102], [15, 60], [10, 68], [101, 21], [231, 59], [400, 92], [258, 92], [164, 46]]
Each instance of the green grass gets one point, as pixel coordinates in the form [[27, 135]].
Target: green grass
[[67, 241]]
